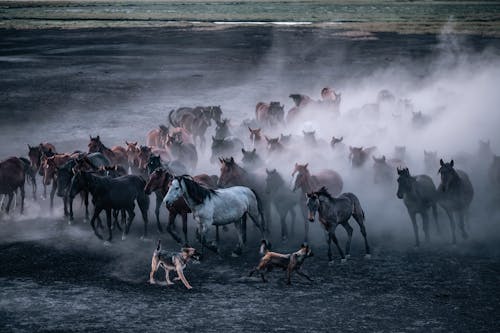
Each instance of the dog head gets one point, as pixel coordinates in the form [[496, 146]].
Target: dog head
[[191, 253], [304, 251]]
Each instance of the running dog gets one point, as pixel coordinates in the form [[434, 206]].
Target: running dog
[[289, 262], [171, 261]]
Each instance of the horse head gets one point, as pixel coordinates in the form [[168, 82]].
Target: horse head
[[404, 182], [448, 174], [95, 145], [312, 204], [302, 178]]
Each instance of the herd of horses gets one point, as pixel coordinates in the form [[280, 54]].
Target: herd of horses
[[119, 178]]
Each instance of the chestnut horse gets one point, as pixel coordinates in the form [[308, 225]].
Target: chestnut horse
[[308, 183], [12, 177], [157, 137], [269, 114], [116, 155], [36, 153]]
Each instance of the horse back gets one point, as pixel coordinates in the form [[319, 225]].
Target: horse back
[[331, 179]]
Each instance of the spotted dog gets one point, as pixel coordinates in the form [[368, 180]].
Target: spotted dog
[[290, 262], [171, 261]]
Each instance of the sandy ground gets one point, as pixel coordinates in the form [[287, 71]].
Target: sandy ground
[[61, 86]]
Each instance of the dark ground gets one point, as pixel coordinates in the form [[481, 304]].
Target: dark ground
[[61, 85]]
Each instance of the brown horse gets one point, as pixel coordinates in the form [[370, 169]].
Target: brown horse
[[133, 154], [255, 136], [301, 101], [274, 145], [146, 152], [269, 114], [116, 155], [157, 137], [49, 167], [308, 183], [12, 177], [181, 134], [159, 182], [36, 153]]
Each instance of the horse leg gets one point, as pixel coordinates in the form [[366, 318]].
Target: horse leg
[[131, 215], [329, 243], [461, 223], [452, 225], [361, 222], [143, 206], [435, 216], [109, 223], [294, 217], [425, 223], [204, 231], [349, 230], [65, 202], [413, 218], [97, 211], [44, 192], [7, 208], [171, 221], [336, 242], [184, 217], [52, 193], [244, 228], [217, 236], [22, 198], [239, 248], [86, 202], [306, 225], [157, 212], [70, 204]]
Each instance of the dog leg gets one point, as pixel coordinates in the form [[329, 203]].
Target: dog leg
[[180, 273], [167, 277]]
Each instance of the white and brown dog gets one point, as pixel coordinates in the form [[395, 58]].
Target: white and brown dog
[[172, 261], [289, 262]]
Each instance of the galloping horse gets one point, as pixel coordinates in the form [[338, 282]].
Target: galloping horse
[[49, 167], [455, 195], [217, 207], [310, 183], [270, 114], [334, 211], [12, 177], [36, 153], [116, 155], [157, 137], [419, 195]]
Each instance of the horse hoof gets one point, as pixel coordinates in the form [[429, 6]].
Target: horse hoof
[[343, 261], [330, 263], [70, 222], [124, 237], [107, 243], [368, 256], [235, 255], [347, 256]]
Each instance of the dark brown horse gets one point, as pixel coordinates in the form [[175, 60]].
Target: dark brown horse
[[308, 183], [270, 114], [49, 167], [455, 195], [157, 136], [146, 152], [115, 154], [132, 154], [359, 155], [36, 153], [159, 182], [12, 177]]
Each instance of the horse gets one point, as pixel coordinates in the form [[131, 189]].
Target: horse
[[146, 152], [383, 172], [231, 174], [36, 153], [65, 172], [224, 147], [133, 154], [270, 114], [310, 183], [251, 160], [113, 193], [49, 166], [174, 167], [359, 155], [301, 101], [222, 130], [455, 195], [274, 145], [182, 117], [184, 152], [255, 136], [283, 199], [419, 195], [157, 136], [116, 155], [12, 177], [218, 207], [159, 182], [334, 211]]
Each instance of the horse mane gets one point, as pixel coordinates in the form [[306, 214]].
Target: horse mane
[[324, 192], [196, 191]]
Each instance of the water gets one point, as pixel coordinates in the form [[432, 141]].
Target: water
[[417, 16]]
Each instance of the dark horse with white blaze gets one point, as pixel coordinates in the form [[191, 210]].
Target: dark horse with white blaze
[[455, 195], [334, 211], [217, 207], [113, 193], [419, 195]]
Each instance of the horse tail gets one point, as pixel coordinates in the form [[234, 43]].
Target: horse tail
[[260, 209], [172, 122]]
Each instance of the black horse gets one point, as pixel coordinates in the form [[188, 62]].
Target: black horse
[[66, 172], [113, 193], [455, 195]]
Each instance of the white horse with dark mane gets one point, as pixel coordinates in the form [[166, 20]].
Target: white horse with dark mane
[[217, 207]]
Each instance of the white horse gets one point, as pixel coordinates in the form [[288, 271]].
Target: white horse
[[217, 207]]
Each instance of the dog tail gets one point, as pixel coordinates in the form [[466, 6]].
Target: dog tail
[[158, 246], [264, 247]]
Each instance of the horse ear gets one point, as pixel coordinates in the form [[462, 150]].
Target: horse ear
[[232, 159], [221, 160], [135, 143], [116, 167], [243, 150], [305, 166], [213, 138], [90, 136], [398, 170], [254, 150], [250, 129], [267, 139], [452, 163], [126, 142], [441, 162]]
